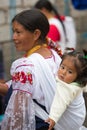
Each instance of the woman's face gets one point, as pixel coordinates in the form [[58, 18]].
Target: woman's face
[[67, 71], [23, 39]]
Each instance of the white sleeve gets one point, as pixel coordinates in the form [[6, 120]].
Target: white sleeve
[[23, 75], [65, 94]]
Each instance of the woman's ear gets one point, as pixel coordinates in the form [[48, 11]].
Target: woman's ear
[[37, 34]]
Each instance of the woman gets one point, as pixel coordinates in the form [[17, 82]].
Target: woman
[[33, 75]]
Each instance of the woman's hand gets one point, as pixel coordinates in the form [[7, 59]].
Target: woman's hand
[[51, 123]]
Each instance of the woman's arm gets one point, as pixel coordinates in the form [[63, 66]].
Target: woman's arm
[[3, 89]]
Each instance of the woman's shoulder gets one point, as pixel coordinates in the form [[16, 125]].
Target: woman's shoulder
[[22, 63], [57, 57], [19, 60]]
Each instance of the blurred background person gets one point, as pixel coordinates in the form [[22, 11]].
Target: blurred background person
[[61, 27]]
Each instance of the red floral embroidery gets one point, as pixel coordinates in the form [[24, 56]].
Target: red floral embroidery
[[22, 77], [30, 78], [16, 77]]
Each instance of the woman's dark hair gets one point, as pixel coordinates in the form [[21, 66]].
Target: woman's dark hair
[[33, 19], [47, 5], [80, 62]]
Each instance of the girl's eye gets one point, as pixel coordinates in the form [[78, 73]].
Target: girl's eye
[[70, 72], [18, 32], [62, 67]]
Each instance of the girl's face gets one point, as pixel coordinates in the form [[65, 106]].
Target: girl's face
[[23, 39], [67, 71]]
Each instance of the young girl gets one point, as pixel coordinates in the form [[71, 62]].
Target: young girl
[[68, 107]]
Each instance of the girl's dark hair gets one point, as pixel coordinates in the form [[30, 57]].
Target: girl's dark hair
[[33, 19], [80, 62], [47, 5]]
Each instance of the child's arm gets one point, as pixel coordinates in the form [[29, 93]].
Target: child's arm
[[65, 94]]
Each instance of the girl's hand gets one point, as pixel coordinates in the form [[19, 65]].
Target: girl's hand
[[51, 123]]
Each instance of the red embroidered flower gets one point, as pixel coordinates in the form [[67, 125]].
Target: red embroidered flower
[[16, 76], [23, 77], [30, 78]]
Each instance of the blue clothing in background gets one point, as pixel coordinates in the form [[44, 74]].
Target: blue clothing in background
[[79, 4]]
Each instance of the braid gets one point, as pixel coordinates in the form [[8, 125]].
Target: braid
[[55, 46]]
